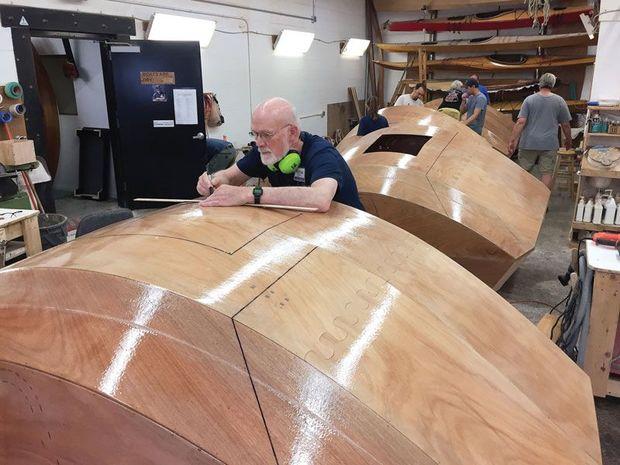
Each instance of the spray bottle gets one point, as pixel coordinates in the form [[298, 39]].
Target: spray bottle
[[580, 208], [587, 211], [598, 212], [610, 208]]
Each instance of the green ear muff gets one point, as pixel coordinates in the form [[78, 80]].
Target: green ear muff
[[288, 164]]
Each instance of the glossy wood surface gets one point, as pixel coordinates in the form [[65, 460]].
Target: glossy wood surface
[[492, 43], [355, 341], [484, 63], [458, 193], [497, 126]]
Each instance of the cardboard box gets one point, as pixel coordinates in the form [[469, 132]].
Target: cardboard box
[[17, 152]]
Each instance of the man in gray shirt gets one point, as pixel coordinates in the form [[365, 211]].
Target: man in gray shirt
[[536, 129], [476, 105]]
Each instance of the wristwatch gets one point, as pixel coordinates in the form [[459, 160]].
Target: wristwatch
[[258, 192]]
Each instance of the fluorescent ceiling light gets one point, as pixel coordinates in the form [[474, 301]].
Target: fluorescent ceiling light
[[293, 43], [170, 27], [587, 24], [354, 47]]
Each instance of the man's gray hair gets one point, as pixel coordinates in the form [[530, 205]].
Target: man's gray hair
[[546, 80], [456, 85], [281, 109]]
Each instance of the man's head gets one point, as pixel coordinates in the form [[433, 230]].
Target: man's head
[[475, 76], [276, 128], [473, 87], [456, 85], [546, 81]]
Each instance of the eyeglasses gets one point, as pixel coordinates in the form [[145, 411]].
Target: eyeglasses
[[267, 135]]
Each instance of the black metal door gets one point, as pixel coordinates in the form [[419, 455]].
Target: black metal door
[[155, 108]]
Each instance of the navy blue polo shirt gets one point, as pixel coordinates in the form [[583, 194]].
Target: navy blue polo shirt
[[319, 159], [368, 125]]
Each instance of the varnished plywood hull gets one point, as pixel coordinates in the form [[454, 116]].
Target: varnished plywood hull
[[331, 338], [493, 44], [446, 194]]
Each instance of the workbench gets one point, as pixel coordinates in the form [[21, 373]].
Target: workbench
[[604, 315], [17, 223]]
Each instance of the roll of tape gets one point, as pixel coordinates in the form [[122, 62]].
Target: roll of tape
[[5, 117], [17, 109], [13, 90]]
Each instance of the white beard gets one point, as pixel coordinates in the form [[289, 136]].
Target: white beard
[[269, 158]]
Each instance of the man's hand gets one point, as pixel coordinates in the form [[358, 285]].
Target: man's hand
[[512, 145], [206, 183], [227, 196]]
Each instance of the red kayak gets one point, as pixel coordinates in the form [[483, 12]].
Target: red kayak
[[508, 19]]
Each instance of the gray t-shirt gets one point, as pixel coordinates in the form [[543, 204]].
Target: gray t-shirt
[[543, 113], [473, 102]]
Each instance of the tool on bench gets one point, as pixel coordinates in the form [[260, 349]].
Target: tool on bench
[[607, 238]]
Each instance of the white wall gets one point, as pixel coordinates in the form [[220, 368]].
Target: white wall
[[607, 66], [8, 72], [241, 79]]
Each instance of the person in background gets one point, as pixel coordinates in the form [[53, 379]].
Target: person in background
[[219, 154], [482, 88], [454, 97], [304, 170], [476, 105], [536, 129], [373, 120], [415, 98]]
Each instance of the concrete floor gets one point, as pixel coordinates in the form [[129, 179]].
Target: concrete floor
[[532, 286], [535, 283]]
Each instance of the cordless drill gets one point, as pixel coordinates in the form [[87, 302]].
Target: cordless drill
[[607, 238]]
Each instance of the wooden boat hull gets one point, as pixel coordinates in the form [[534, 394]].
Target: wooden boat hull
[[493, 44], [458, 193], [492, 64], [511, 19], [235, 335], [492, 85], [411, 5], [515, 105], [497, 127]]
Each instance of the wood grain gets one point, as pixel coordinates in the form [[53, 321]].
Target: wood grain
[[493, 208], [361, 344]]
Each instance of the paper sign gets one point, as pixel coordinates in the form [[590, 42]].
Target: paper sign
[[157, 77], [185, 106], [163, 123]]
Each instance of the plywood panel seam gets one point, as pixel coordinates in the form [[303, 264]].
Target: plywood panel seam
[[146, 329], [284, 398], [440, 153], [273, 283], [111, 399], [169, 237], [260, 407], [264, 231]]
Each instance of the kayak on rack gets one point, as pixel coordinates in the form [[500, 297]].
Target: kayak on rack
[[492, 44], [507, 19], [494, 63]]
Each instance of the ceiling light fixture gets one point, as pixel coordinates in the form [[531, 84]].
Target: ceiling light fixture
[[292, 43], [354, 48], [172, 27]]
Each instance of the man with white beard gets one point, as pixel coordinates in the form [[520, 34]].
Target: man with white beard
[[304, 170]]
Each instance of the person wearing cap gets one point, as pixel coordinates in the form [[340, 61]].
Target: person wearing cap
[[415, 98], [536, 129], [476, 106]]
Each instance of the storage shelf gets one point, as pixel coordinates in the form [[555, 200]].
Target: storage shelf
[[602, 134], [595, 227], [614, 108], [587, 170]]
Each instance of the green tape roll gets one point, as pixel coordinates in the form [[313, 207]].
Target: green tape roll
[[13, 90]]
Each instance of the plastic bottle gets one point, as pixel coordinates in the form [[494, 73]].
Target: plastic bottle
[[580, 207], [597, 217], [587, 211], [610, 208]]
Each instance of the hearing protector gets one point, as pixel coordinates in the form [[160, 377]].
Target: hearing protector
[[288, 164]]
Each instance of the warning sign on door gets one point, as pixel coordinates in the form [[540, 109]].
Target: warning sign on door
[[156, 77]]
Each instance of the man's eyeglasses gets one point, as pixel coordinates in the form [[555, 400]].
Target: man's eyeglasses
[[267, 135]]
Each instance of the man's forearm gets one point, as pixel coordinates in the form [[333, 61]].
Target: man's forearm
[[567, 135], [297, 196], [516, 132]]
